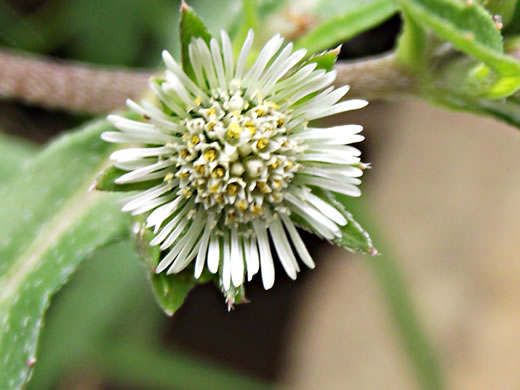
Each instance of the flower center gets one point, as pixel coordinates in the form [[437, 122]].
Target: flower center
[[237, 156]]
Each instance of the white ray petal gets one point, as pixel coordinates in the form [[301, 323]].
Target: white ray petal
[[252, 260], [214, 254], [266, 259], [242, 58], [226, 264], [298, 242], [237, 259], [284, 251], [227, 52]]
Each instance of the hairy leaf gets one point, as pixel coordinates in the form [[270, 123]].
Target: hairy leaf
[[191, 26], [468, 26], [51, 223], [346, 25], [169, 290]]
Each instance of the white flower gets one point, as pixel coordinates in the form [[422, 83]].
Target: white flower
[[237, 160]]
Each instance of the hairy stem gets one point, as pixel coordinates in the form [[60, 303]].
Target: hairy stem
[[84, 88]]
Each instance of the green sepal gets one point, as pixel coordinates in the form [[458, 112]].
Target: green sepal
[[191, 26], [354, 237], [106, 182], [170, 291], [325, 60]]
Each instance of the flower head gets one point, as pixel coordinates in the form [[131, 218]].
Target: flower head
[[231, 159]]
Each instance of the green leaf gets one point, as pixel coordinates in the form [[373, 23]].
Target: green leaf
[[106, 182], [503, 8], [91, 310], [468, 26], [51, 223], [169, 290], [326, 60], [13, 154], [346, 25], [190, 27]]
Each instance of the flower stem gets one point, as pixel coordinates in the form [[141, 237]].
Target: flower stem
[[71, 86]]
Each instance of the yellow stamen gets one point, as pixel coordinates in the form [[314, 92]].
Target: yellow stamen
[[257, 210], [184, 175], [218, 172], [198, 100], [251, 127], [214, 188], [276, 164], [262, 187], [195, 139], [211, 125], [262, 143], [184, 153], [259, 111], [242, 205], [168, 176], [187, 192], [200, 169], [232, 189], [210, 155], [280, 122], [234, 130], [211, 111]]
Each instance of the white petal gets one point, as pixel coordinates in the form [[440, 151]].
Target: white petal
[[252, 261], [175, 68], [226, 265], [217, 60], [145, 196], [242, 58], [336, 186], [296, 78], [298, 242], [183, 258], [203, 250], [141, 173], [227, 52], [207, 63], [327, 209], [237, 259], [266, 260], [161, 214], [213, 254], [320, 222], [347, 105], [196, 61], [284, 251], [265, 55]]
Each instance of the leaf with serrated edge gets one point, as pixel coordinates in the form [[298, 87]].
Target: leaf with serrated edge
[[347, 25], [469, 27], [51, 223], [191, 26]]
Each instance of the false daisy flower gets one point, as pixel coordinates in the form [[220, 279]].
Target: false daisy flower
[[237, 160]]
